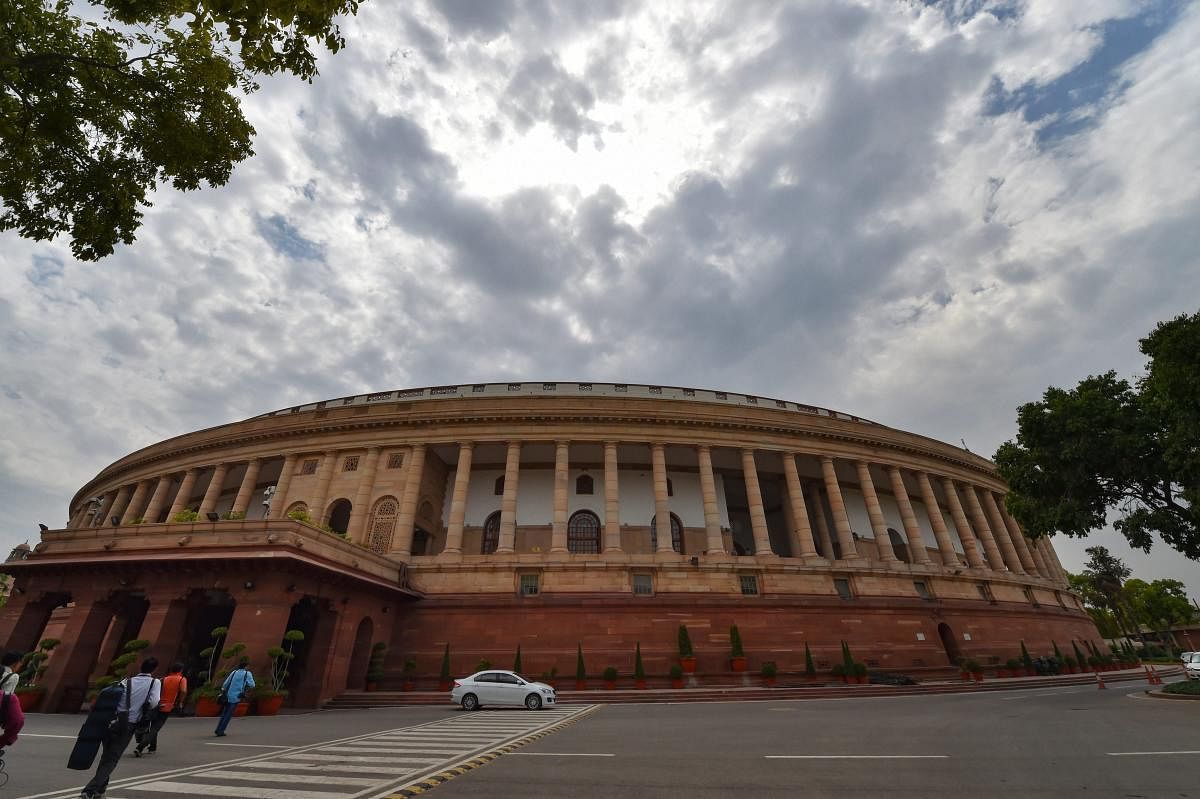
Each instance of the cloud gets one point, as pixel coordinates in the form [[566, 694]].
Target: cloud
[[923, 214]]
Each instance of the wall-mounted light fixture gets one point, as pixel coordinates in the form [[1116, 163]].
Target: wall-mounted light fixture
[[248, 584], [116, 520], [42, 527], [213, 516]]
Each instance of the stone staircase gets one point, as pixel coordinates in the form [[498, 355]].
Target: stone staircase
[[783, 691]]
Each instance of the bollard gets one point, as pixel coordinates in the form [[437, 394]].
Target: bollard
[[1100, 682]]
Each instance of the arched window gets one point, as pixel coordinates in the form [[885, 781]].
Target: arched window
[[584, 484], [583, 533], [295, 507], [382, 525], [491, 534], [499, 489], [676, 534], [339, 515], [670, 488], [420, 545], [899, 545]]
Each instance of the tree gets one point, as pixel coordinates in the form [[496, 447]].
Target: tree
[[1160, 605], [95, 114], [1107, 444], [1107, 574]]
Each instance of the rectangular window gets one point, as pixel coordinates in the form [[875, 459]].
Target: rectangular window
[[395, 460], [985, 592], [922, 589], [350, 464], [309, 466], [643, 585], [529, 585], [749, 584]]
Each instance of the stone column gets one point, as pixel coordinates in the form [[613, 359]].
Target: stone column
[[507, 538], [458, 500], [260, 617], [1007, 548], [213, 493], [558, 529], [802, 535], [983, 529], [119, 504], [945, 544], [837, 505], [406, 516], [101, 517], [1035, 552], [612, 499], [822, 522], [883, 542], [77, 518], [184, 494], [1018, 538], [136, 502], [662, 505], [758, 516], [164, 627], [713, 545], [279, 500], [246, 490], [912, 530], [965, 535], [158, 499], [1052, 560], [360, 509], [71, 664], [23, 620], [316, 506]]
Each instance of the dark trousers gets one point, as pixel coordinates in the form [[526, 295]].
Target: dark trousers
[[226, 715], [113, 747], [150, 739]]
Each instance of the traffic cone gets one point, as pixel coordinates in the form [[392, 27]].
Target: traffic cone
[[1149, 675], [1100, 682], [1154, 678]]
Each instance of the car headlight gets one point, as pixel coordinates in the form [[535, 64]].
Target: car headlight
[[547, 691]]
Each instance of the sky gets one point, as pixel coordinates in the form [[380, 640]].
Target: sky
[[919, 213]]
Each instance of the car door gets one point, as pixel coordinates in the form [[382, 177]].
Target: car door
[[491, 691], [511, 690]]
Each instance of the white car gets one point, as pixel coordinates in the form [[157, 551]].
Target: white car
[[1186, 656], [1192, 668], [500, 689]]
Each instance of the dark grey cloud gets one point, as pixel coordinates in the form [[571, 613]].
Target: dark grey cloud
[[542, 91]]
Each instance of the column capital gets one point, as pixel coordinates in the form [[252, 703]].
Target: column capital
[[468, 446]]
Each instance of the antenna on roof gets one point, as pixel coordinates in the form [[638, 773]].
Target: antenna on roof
[[964, 443]]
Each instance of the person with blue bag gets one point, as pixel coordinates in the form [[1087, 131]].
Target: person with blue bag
[[239, 681]]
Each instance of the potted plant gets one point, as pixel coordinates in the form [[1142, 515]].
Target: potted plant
[[205, 698], [860, 673], [737, 657], [768, 671], [444, 674], [1026, 662], [610, 678], [186, 515], [839, 672], [550, 677], [810, 669], [410, 668], [268, 698], [964, 672], [1010, 668], [1093, 662], [1070, 665], [687, 656], [580, 671], [1080, 658], [375, 665], [848, 673], [29, 693], [975, 670], [639, 671], [676, 676]]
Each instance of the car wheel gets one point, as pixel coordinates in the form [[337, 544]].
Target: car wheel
[[470, 702], [533, 702]]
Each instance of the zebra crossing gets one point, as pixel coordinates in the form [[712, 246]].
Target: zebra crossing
[[364, 767]]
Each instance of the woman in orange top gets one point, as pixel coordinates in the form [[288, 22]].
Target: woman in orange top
[[174, 694]]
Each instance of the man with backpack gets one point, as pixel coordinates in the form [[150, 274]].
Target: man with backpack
[[233, 689], [174, 694], [139, 696]]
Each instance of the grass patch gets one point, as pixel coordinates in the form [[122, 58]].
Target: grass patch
[[1187, 687]]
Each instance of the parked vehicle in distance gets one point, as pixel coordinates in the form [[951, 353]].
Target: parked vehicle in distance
[[1192, 667], [1186, 656], [494, 688]]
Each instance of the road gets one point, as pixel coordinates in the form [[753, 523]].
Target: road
[[1074, 741]]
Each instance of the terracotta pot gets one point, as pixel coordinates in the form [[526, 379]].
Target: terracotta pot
[[207, 706], [372, 686], [242, 709], [769, 682], [977, 676], [688, 664], [409, 685], [268, 705], [737, 664], [29, 700], [677, 684], [639, 685], [610, 685], [1003, 673], [860, 680], [581, 685], [444, 685]]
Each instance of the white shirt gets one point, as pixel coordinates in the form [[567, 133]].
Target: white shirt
[[142, 688], [9, 680]]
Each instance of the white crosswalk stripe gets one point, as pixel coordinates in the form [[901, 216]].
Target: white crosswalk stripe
[[365, 767]]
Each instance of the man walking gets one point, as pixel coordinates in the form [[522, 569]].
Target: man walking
[[141, 694], [8, 677], [174, 693], [233, 689]]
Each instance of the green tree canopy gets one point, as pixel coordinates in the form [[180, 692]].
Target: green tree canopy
[[95, 113], [1160, 604], [1111, 445]]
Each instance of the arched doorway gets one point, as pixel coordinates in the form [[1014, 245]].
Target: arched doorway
[[949, 642], [360, 656], [339, 516]]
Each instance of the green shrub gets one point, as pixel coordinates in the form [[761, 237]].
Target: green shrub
[[769, 669], [610, 674], [186, 515], [410, 667], [685, 643], [1012, 663], [1025, 658], [973, 666], [735, 642], [445, 673], [580, 671], [483, 665], [300, 515], [860, 669], [809, 669], [375, 664], [639, 671], [233, 515], [676, 672], [1187, 687], [838, 670], [517, 660]]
